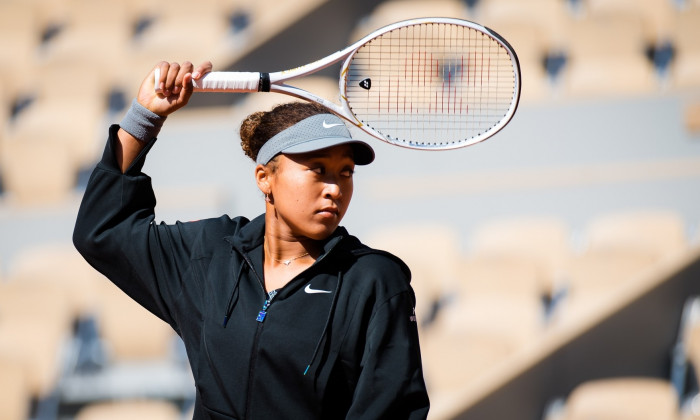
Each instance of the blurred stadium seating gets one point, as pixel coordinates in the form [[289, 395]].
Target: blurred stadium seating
[[488, 292]]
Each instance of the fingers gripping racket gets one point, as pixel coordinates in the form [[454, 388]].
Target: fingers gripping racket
[[430, 83]]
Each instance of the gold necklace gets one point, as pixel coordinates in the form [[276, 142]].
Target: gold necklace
[[289, 261]]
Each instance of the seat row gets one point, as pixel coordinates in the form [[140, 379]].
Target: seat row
[[640, 397], [69, 338], [580, 48], [515, 281]]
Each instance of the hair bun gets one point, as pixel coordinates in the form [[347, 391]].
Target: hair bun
[[247, 133]]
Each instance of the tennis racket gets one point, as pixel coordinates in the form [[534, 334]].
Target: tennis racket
[[429, 83]]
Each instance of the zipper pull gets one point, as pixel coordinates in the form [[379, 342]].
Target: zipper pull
[[262, 314]]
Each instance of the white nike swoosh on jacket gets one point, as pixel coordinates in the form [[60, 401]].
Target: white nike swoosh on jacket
[[309, 290]]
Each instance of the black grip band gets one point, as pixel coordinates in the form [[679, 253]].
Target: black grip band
[[264, 85]]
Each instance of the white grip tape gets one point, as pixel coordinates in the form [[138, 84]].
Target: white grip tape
[[228, 82]]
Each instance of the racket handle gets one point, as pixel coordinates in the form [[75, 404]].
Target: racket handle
[[223, 81]]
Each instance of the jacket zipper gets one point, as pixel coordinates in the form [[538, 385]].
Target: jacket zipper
[[256, 339], [261, 317]]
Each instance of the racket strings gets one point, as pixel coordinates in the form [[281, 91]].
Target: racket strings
[[431, 84]]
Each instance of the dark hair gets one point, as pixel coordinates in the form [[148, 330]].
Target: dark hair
[[259, 127]]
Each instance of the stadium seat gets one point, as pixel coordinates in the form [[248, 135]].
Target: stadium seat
[[622, 399], [656, 15], [96, 46], [392, 11], [658, 233], [432, 252], [20, 37], [138, 409], [595, 278], [500, 276], [52, 118], [59, 266], [685, 72], [515, 319], [34, 325], [532, 50], [49, 14], [14, 393], [171, 37], [550, 18], [37, 168], [544, 240], [74, 81], [129, 331], [452, 362], [22, 299], [607, 58]]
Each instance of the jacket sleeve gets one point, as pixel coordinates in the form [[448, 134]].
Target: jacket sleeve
[[115, 232], [391, 381]]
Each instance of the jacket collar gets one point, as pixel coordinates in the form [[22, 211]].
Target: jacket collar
[[252, 235]]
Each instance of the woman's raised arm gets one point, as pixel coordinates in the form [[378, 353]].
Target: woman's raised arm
[[153, 104]]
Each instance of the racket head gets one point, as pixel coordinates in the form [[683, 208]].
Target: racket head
[[431, 83]]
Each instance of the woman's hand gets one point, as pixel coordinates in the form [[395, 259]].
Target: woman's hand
[[174, 88]]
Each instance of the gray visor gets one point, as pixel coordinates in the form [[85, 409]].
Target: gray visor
[[317, 132]]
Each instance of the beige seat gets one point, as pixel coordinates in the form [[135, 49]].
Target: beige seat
[[121, 410], [29, 300], [165, 37], [388, 12], [656, 15], [35, 323], [623, 399], [37, 168], [129, 331], [685, 70], [21, 27], [541, 239], [550, 18], [93, 53], [532, 48], [607, 57], [59, 266], [595, 278], [514, 319], [52, 122], [659, 233], [453, 362], [74, 80], [432, 252], [500, 276], [15, 399], [48, 13]]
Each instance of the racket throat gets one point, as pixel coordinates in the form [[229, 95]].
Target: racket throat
[[264, 85]]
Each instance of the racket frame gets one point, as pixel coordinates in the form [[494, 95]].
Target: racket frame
[[275, 82]]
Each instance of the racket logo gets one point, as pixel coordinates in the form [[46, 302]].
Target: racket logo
[[366, 83], [326, 125]]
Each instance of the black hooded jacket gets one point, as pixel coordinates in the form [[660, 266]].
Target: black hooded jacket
[[338, 341]]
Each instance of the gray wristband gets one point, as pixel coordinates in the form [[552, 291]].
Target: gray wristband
[[141, 123]]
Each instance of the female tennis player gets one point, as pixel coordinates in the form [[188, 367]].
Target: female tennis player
[[283, 316]]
